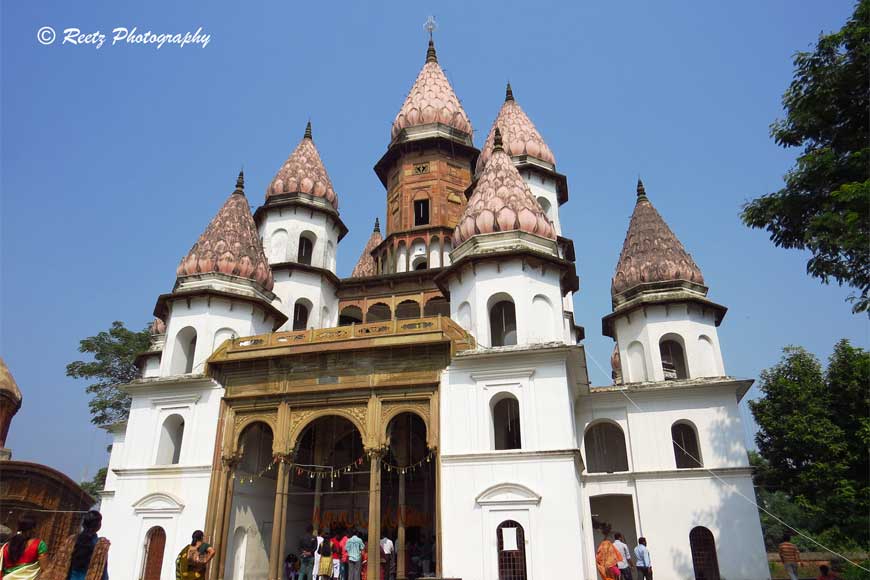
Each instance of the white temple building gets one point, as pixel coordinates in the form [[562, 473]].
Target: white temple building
[[439, 395]]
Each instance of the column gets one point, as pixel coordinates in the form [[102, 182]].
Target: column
[[400, 532], [374, 566], [224, 510], [278, 518]]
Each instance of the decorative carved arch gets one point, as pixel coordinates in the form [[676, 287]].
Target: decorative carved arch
[[508, 494], [301, 419], [158, 503], [245, 421]]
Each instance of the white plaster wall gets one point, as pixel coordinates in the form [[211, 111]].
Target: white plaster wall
[[648, 325], [476, 287], [141, 494], [537, 380], [207, 317], [295, 220], [292, 284], [712, 411], [545, 187], [552, 522]]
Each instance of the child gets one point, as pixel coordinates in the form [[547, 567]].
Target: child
[[291, 567]]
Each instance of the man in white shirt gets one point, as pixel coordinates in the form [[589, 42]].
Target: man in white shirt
[[387, 548], [642, 561], [625, 564]]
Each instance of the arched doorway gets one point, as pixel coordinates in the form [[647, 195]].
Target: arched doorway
[[155, 546], [511, 551], [704, 560], [408, 502]]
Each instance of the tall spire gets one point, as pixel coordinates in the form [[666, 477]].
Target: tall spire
[[377, 225], [240, 183], [651, 251], [366, 265], [307, 134], [508, 94], [641, 192], [430, 52]]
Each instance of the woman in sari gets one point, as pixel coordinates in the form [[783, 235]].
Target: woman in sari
[[24, 557], [324, 571], [81, 556], [607, 557], [193, 560]]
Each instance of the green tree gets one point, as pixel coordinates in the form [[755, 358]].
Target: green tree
[[114, 353], [812, 437], [96, 485], [825, 204]]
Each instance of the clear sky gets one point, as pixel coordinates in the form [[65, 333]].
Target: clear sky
[[115, 159]]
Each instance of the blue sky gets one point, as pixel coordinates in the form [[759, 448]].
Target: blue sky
[[115, 159]]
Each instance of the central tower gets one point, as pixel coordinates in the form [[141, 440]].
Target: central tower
[[426, 170]]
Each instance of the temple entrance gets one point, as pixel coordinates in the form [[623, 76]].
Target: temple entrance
[[408, 502], [617, 513], [328, 482]]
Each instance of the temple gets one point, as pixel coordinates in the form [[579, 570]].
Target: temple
[[438, 395]]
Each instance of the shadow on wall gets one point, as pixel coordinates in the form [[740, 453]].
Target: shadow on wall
[[725, 445]]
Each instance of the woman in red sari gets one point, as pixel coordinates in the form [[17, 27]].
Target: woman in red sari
[[24, 557], [607, 557]]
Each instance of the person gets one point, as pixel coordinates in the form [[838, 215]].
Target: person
[[83, 555], [307, 547], [790, 557], [607, 557], [342, 542], [642, 560], [354, 548], [193, 560], [388, 555], [25, 556], [291, 567], [316, 570], [324, 568], [625, 563], [335, 543]]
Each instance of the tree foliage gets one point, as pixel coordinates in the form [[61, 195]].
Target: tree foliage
[[114, 353], [96, 485], [825, 204], [814, 432]]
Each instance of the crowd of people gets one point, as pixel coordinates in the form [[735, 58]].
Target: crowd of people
[[343, 555], [614, 558]]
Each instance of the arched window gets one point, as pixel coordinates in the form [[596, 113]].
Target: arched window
[[511, 540], [300, 314], [706, 358], [673, 361], [463, 315], [306, 248], [378, 313], [506, 424], [278, 246], [222, 335], [171, 436], [605, 448], [421, 212], [155, 545], [437, 306], [408, 309], [350, 315], [184, 351], [545, 205], [419, 263], [686, 450], [541, 327], [503, 323], [704, 559]]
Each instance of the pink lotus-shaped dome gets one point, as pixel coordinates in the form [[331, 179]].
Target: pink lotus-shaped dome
[[651, 252], [230, 244], [431, 100], [519, 135], [303, 172], [501, 201]]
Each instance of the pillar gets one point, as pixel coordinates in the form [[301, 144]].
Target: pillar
[[279, 519], [400, 532], [374, 566], [224, 510]]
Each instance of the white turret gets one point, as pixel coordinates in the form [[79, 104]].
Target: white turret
[[300, 227]]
